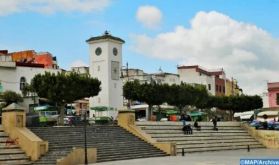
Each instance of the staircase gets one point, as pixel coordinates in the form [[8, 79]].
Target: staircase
[[10, 153], [230, 136], [112, 143]]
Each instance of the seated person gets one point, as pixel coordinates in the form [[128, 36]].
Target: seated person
[[196, 125], [265, 125], [187, 129]]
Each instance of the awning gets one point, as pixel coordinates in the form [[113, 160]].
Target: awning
[[243, 117], [44, 107], [192, 114], [268, 113], [101, 108]]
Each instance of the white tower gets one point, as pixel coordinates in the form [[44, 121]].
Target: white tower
[[105, 65]]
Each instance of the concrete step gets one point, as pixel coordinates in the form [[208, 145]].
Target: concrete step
[[171, 123], [3, 134], [191, 150], [4, 146], [216, 141], [121, 152], [16, 162], [125, 157], [9, 151], [194, 131], [212, 145], [180, 127], [13, 157], [189, 138], [216, 134]]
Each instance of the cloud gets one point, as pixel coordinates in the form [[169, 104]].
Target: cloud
[[78, 63], [214, 40], [149, 16], [51, 6]]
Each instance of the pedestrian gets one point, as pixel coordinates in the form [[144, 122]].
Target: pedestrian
[[183, 119], [196, 125], [214, 121]]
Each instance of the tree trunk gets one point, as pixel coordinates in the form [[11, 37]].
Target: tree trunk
[[231, 115], [149, 114], [62, 114]]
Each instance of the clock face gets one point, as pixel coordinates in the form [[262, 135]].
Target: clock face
[[98, 51], [115, 51]]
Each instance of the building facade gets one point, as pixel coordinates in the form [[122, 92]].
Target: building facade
[[160, 77], [215, 81], [197, 75], [16, 70], [273, 94]]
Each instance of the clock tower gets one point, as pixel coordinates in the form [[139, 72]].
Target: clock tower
[[105, 64]]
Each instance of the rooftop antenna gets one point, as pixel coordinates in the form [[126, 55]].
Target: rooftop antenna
[[106, 32], [160, 70]]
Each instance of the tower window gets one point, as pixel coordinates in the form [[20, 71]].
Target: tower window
[[99, 67], [22, 83], [209, 86]]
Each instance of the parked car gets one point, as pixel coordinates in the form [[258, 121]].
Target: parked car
[[72, 120], [271, 125]]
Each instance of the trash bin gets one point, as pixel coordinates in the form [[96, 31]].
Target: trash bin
[[173, 118]]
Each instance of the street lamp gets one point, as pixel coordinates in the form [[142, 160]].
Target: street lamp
[[85, 138], [123, 78], [127, 71]]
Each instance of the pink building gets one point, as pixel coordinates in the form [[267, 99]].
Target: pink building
[[273, 94]]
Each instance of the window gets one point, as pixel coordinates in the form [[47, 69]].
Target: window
[[22, 83], [277, 98], [224, 89], [99, 67], [99, 100], [115, 85], [209, 86], [216, 88]]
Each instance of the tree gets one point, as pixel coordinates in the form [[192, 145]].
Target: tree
[[11, 97], [151, 94], [182, 95], [65, 88], [236, 103]]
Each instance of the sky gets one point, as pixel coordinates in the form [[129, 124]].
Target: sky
[[242, 37]]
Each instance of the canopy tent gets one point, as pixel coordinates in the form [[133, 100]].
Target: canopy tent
[[268, 113], [271, 116], [44, 108], [197, 115], [103, 111], [244, 115], [171, 112], [101, 108]]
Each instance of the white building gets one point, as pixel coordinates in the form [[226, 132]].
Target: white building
[[160, 77], [105, 65], [195, 75], [14, 75]]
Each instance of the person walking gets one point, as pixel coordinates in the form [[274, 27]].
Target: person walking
[[183, 119], [214, 121], [197, 126]]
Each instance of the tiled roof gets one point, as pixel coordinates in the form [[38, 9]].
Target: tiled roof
[[105, 36]]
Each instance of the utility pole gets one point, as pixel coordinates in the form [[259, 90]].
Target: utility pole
[[85, 139]]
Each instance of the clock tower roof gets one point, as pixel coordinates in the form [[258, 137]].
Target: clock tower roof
[[106, 35]]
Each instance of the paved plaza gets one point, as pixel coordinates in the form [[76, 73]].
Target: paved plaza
[[206, 158]]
